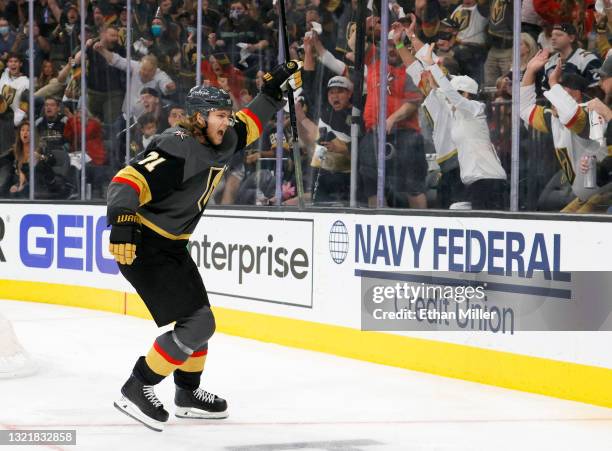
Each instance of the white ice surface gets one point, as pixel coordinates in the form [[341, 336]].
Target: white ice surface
[[279, 398]]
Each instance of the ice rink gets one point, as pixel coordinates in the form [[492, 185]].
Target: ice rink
[[279, 398]]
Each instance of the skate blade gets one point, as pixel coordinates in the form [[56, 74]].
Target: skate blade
[[127, 407], [192, 412]]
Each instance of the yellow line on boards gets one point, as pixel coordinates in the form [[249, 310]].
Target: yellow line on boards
[[549, 377]]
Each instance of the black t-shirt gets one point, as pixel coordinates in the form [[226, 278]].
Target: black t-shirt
[[100, 75], [334, 125], [51, 132]]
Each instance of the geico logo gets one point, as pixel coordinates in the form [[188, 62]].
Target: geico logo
[[44, 239], [260, 260], [2, 258]]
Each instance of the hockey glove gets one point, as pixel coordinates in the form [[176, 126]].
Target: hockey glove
[[124, 236], [275, 81]]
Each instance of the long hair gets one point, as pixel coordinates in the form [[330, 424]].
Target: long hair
[[531, 44], [20, 151], [189, 124], [43, 79], [235, 78]]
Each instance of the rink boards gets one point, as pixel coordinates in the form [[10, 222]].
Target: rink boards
[[298, 279]]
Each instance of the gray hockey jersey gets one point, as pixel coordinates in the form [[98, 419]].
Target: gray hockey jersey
[[169, 184]]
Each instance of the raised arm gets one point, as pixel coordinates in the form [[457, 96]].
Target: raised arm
[[398, 34], [309, 58], [572, 115], [328, 60], [55, 10], [250, 119], [534, 115], [470, 107], [534, 66], [166, 84], [259, 45], [65, 71], [107, 54]]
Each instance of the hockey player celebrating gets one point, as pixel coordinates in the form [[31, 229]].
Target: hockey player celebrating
[[154, 204]]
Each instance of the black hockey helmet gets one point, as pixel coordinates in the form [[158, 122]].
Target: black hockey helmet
[[205, 99]]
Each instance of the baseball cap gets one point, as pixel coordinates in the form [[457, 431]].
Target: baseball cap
[[574, 81], [340, 82], [566, 28], [606, 68], [154, 92], [465, 84]]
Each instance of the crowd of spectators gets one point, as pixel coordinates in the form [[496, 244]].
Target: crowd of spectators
[[449, 95]]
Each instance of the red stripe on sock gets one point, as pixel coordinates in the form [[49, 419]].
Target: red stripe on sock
[[165, 355], [126, 182], [199, 353]]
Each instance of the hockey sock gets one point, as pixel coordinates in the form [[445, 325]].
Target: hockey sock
[[145, 374], [166, 355], [188, 375]]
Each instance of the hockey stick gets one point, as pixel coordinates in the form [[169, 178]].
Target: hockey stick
[[297, 158]]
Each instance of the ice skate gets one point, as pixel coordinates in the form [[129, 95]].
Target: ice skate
[[139, 402], [199, 404]]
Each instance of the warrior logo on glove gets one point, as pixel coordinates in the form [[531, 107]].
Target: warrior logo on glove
[[275, 81], [124, 237]]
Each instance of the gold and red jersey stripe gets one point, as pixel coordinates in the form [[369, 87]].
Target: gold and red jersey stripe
[[253, 124], [134, 179], [578, 122]]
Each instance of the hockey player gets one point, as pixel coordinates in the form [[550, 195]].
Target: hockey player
[[569, 124], [154, 204]]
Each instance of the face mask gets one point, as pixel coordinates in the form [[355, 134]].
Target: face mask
[[4, 30], [156, 30], [235, 14]]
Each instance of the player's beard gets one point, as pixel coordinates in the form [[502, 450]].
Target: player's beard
[[212, 136]]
